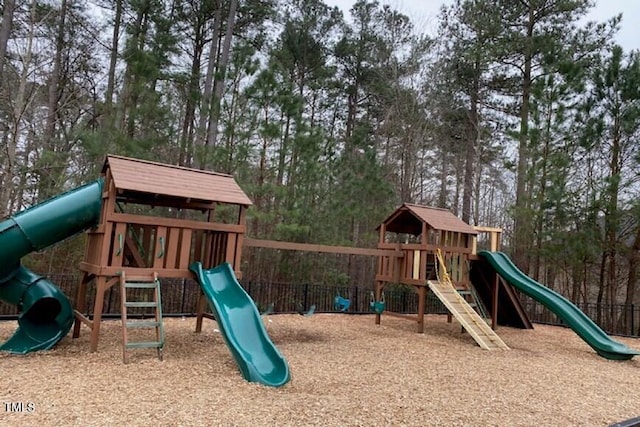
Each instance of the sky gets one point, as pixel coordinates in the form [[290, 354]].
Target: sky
[[424, 15]]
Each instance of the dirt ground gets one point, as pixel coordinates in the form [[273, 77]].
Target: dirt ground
[[346, 371]]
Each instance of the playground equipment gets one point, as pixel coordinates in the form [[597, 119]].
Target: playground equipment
[[200, 218], [416, 234], [241, 326], [341, 304], [152, 284], [200, 223], [377, 306], [45, 312], [304, 312], [571, 315], [470, 320], [433, 242]]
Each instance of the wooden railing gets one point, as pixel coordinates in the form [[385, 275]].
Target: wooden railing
[[418, 264]]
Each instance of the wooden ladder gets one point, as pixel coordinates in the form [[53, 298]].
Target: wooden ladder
[[149, 282]]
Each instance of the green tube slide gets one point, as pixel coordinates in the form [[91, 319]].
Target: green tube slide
[[571, 315], [241, 326], [45, 313]]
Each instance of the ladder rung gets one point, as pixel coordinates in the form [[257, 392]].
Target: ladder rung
[[140, 285], [143, 324], [140, 304], [145, 344]]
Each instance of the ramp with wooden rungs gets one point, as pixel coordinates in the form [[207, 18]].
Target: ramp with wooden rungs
[[467, 316]]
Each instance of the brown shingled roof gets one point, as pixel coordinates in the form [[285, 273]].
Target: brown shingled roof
[[158, 178], [437, 218]]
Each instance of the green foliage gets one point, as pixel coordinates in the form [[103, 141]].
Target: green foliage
[[516, 110]]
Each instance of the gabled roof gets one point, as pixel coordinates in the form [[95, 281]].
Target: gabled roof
[[436, 218], [158, 178]]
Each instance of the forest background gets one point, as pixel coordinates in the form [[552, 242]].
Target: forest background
[[515, 114]]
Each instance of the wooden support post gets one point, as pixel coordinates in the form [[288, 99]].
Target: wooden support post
[[101, 288], [202, 304], [80, 301], [422, 302]]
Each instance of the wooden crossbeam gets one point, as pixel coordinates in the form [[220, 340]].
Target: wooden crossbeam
[[307, 247]]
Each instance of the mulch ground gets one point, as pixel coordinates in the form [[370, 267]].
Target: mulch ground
[[346, 371]]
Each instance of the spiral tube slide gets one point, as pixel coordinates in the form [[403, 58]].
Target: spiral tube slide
[[45, 313]]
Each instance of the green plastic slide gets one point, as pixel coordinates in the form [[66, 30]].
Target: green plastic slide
[[241, 326], [571, 315], [45, 313]]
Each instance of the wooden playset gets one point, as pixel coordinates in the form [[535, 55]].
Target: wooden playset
[[435, 251], [157, 219], [201, 217]]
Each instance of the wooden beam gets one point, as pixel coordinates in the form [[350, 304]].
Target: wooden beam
[[307, 247], [133, 251], [422, 302], [83, 319], [401, 316], [168, 273], [166, 201], [173, 222], [483, 229]]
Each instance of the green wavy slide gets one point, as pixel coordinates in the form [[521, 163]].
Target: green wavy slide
[[45, 313], [241, 326], [571, 315]]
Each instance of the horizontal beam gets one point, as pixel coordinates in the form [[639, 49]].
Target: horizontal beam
[[175, 223], [401, 316], [165, 273], [307, 247], [425, 247], [483, 229]]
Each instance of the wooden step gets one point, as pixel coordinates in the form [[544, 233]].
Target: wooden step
[[142, 324], [140, 285], [145, 344], [151, 282], [140, 304]]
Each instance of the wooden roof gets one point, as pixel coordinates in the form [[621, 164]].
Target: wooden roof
[[158, 178], [436, 218]]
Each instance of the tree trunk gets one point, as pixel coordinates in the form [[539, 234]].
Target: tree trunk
[[186, 139], [632, 281], [206, 100], [129, 99], [442, 199], [471, 146], [5, 178], [113, 60], [19, 107], [5, 32], [601, 286], [47, 183], [522, 230], [214, 116], [611, 216]]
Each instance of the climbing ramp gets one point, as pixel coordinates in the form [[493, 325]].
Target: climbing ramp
[[470, 320], [467, 316]]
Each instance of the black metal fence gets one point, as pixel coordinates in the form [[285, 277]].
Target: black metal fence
[[616, 319], [179, 298]]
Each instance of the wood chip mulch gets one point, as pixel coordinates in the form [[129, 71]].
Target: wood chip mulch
[[346, 371]]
